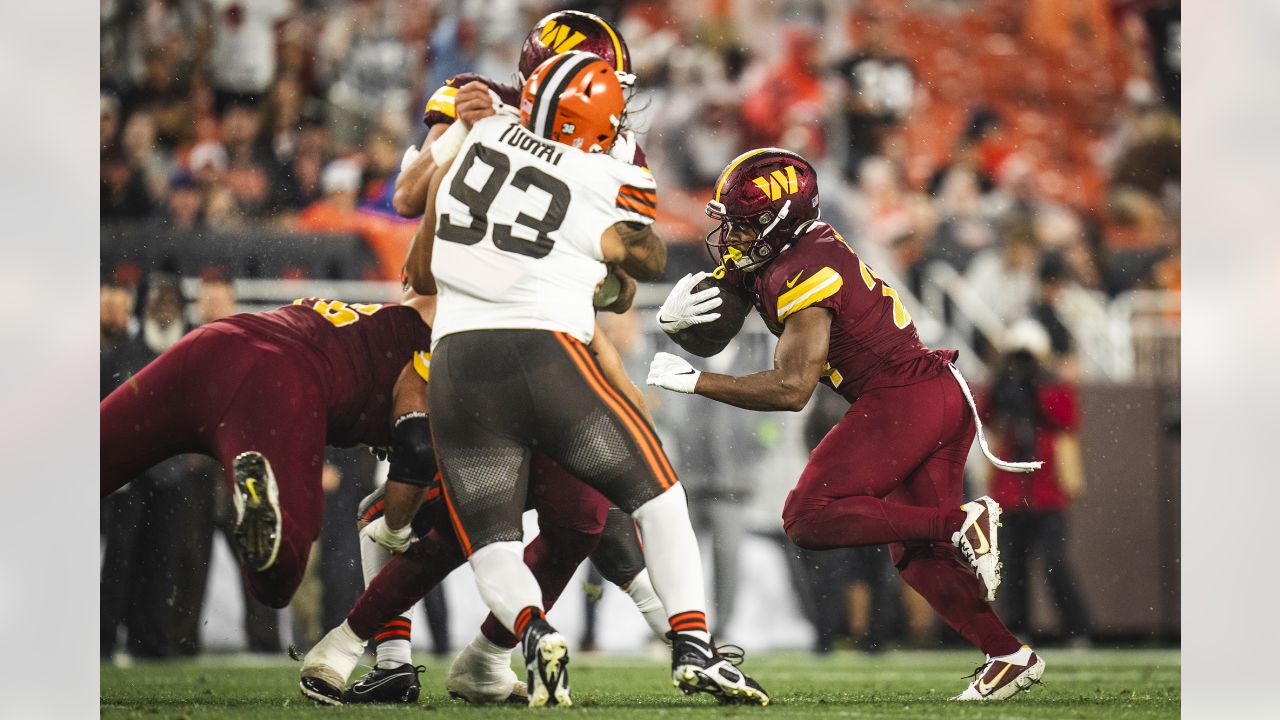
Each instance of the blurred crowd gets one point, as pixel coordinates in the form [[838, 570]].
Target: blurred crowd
[[1033, 147]]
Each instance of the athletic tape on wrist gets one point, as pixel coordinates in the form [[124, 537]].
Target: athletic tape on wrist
[[445, 147]]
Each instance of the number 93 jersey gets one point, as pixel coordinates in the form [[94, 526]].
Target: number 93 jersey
[[518, 225]]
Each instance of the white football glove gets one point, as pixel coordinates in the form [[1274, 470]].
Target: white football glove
[[624, 147], [673, 373], [397, 541], [683, 308]]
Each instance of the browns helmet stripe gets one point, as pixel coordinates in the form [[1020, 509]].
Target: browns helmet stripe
[[558, 78]]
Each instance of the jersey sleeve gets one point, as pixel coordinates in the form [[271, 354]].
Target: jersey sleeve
[[804, 285], [636, 200]]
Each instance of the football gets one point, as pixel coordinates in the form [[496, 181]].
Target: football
[[710, 338]]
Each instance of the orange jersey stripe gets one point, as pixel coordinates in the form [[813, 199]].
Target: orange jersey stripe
[[645, 440], [645, 196], [457, 523], [636, 207]]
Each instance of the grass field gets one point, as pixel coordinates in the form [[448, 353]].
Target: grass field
[[1077, 684]]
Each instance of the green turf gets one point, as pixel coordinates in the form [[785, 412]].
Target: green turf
[[1098, 683]]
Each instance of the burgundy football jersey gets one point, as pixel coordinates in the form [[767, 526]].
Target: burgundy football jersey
[[440, 108], [873, 341], [357, 352]]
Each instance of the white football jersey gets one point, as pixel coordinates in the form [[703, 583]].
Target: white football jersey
[[518, 226]]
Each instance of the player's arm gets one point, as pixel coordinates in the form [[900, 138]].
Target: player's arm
[[637, 248], [410, 199], [412, 457], [473, 102], [611, 365], [418, 264], [797, 367]]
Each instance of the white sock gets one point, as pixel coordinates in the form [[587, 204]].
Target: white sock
[[493, 655], [671, 552], [391, 653], [642, 594], [505, 582]]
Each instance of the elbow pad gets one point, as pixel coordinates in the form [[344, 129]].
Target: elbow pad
[[413, 457]]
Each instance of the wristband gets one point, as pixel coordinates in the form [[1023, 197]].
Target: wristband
[[445, 147]]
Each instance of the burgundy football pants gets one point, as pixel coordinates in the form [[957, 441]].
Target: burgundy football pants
[[571, 516], [891, 471], [217, 394]]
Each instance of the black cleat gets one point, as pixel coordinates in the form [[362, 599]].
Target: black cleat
[[546, 659], [698, 666], [257, 501], [387, 685]]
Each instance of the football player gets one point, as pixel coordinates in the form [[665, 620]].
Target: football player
[[891, 470], [517, 258], [263, 393], [481, 672]]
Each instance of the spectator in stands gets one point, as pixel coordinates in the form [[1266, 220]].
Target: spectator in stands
[[1005, 276], [964, 229], [878, 90], [184, 207], [1033, 415], [241, 36], [878, 210], [164, 91], [123, 191], [108, 120], [789, 104], [250, 164]]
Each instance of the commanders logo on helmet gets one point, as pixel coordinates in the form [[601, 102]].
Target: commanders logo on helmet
[[568, 30], [768, 194], [574, 98]]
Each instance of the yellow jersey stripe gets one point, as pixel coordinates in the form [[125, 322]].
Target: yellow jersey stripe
[[443, 101], [617, 45], [422, 363], [822, 285]]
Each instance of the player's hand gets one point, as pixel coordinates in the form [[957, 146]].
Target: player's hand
[[624, 291], [684, 308], [624, 147], [673, 373], [397, 541], [475, 102]]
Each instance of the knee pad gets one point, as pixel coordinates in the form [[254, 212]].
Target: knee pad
[[413, 457]]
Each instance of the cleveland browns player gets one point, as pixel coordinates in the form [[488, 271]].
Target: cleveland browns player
[[891, 470], [481, 671], [516, 271]]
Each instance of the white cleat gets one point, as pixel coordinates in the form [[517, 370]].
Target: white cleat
[[1003, 677], [481, 674], [257, 502], [977, 539], [327, 666]]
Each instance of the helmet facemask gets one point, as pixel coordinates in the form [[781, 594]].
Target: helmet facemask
[[732, 255]]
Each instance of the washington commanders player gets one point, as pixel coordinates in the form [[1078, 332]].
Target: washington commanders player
[[481, 671], [517, 257], [263, 393], [891, 470]]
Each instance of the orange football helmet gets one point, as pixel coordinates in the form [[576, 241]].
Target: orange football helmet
[[574, 98]]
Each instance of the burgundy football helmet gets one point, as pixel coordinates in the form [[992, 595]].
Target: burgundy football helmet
[[772, 191], [568, 30]]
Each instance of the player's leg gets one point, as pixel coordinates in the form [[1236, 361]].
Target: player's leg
[[571, 516], [484, 449], [840, 499], [271, 439], [935, 570], [620, 559], [595, 433], [147, 420]]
